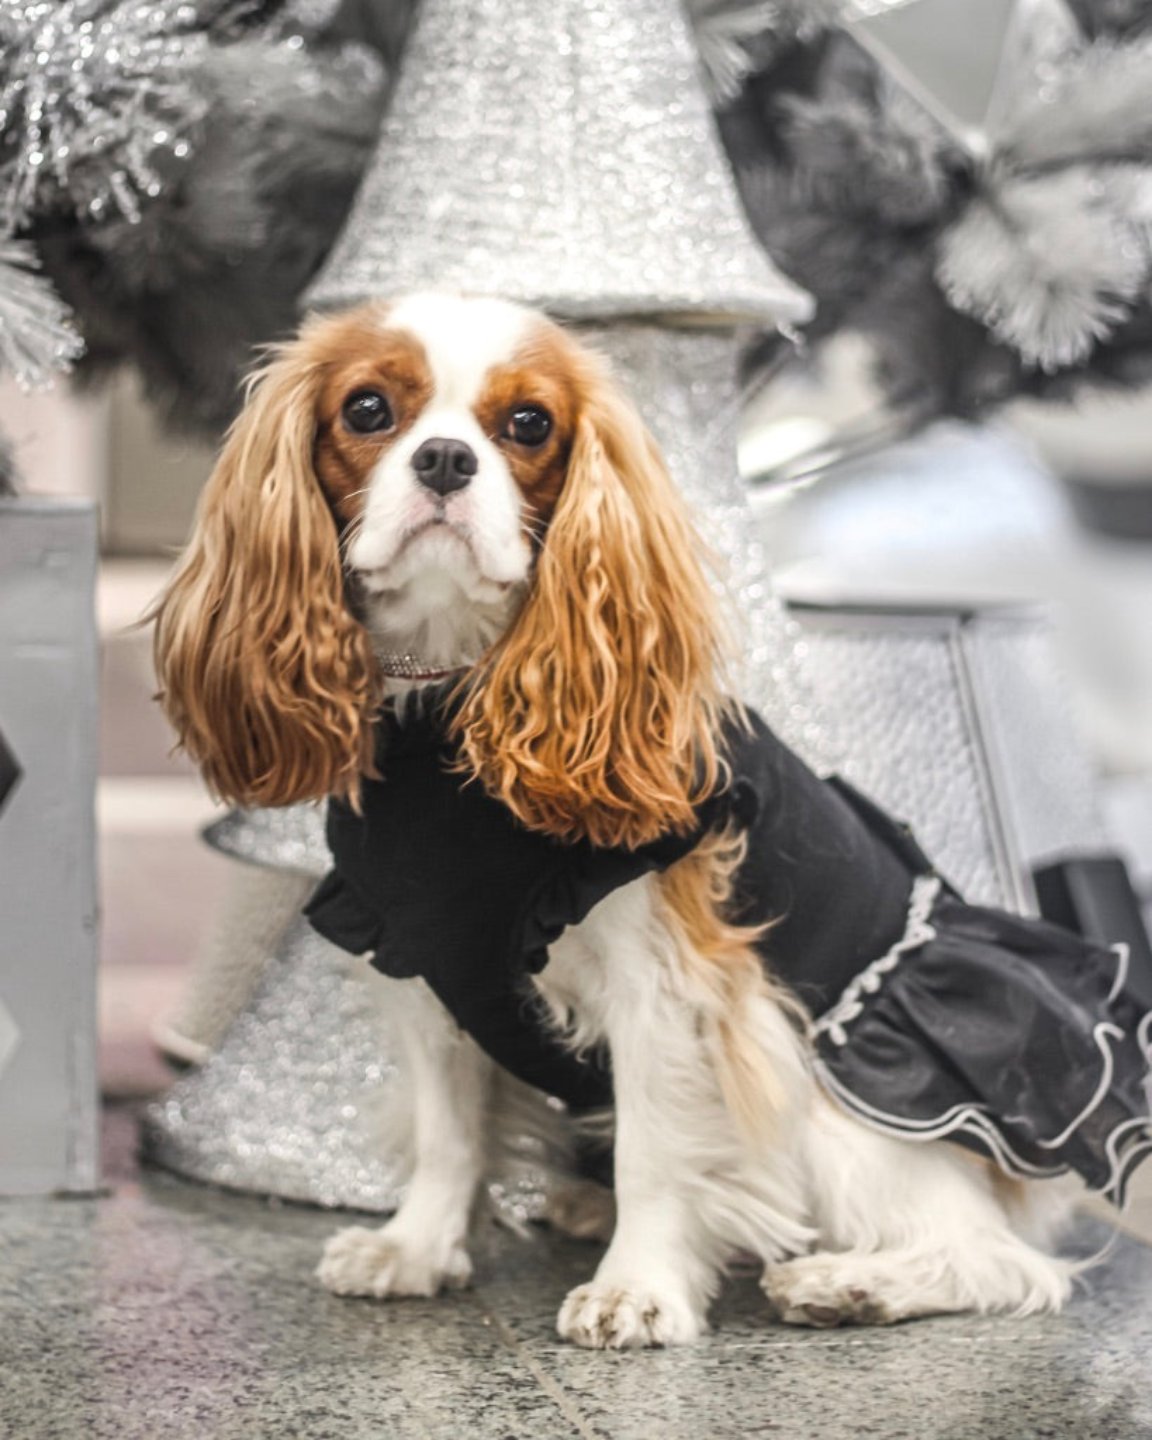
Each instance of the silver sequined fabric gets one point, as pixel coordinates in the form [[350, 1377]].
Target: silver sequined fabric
[[291, 838], [303, 1099], [562, 154], [911, 742], [293, 1102], [957, 721], [684, 383]]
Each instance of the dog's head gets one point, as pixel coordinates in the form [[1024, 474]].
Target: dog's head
[[462, 479]]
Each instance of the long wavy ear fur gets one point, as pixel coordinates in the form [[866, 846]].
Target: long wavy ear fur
[[596, 716], [265, 675]]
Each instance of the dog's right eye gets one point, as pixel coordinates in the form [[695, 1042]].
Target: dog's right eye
[[367, 411]]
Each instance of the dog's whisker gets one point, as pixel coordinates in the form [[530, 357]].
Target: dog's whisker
[[350, 535]]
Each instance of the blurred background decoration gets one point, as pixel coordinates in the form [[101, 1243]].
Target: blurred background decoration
[[966, 183], [964, 186], [182, 167]]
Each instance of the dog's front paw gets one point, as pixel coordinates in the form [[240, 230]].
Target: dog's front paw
[[825, 1291], [383, 1263], [605, 1315]]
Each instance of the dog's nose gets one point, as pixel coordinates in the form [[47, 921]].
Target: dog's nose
[[444, 465]]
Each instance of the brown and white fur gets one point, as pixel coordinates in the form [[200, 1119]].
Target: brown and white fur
[[563, 572]]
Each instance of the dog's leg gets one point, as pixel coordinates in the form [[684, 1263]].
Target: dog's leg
[[422, 1249], [687, 1193], [909, 1230]]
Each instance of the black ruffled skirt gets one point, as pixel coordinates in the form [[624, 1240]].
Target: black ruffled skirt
[[1013, 1037]]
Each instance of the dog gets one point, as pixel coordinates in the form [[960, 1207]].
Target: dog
[[441, 486]]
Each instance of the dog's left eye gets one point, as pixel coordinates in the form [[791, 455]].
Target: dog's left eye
[[528, 425], [367, 411]]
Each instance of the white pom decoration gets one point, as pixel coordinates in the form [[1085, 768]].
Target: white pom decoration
[[1046, 262]]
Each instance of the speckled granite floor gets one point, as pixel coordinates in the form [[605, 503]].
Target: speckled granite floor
[[166, 1311]]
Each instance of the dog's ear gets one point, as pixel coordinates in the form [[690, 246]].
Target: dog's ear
[[263, 671], [596, 716]]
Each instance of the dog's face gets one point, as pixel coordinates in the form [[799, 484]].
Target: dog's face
[[461, 476], [443, 433]]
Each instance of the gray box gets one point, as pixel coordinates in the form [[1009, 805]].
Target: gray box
[[48, 714], [958, 720]]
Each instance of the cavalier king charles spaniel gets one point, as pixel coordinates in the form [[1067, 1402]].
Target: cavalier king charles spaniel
[[439, 484]]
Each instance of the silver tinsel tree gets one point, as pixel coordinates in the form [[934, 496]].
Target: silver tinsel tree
[[95, 101], [37, 336], [178, 206]]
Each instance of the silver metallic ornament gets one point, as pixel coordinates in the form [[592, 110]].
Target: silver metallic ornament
[[1049, 252], [965, 61], [562, 155], [280, 854], [927, 572]]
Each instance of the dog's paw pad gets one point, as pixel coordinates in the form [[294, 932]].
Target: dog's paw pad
[[359, 1261], [605, 1316], [822, 1292], [824, 1316]]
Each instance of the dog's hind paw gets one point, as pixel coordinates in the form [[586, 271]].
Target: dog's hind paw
[[583, 1210], [359, 1261], [823, 1291], [607, 1316]]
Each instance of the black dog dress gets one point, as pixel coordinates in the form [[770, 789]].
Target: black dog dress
[[932, 1018]]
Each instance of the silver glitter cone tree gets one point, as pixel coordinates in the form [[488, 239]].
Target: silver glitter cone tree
[[298, 1093], [564, 156]]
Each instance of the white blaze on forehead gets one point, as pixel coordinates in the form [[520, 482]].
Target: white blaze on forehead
[[463, 339]]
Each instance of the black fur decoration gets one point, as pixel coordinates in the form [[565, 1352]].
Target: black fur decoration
[[1026, 271]]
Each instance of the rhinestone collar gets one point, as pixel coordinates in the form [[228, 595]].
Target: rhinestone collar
[[402, 665]]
